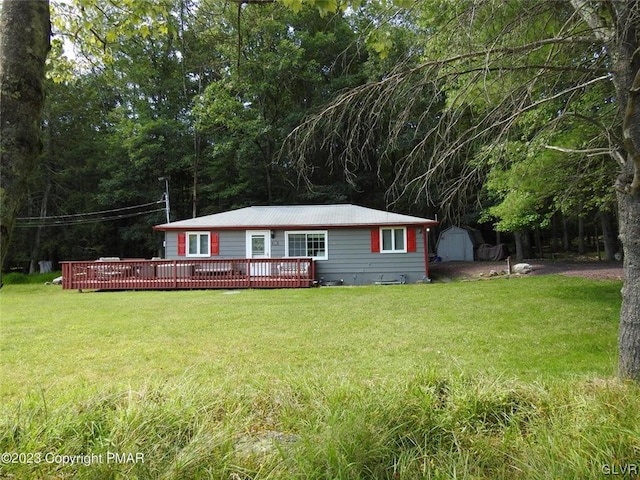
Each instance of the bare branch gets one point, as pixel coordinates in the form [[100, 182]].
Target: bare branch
[[432, 125], [587, 151], [598, 24], [591, 152]]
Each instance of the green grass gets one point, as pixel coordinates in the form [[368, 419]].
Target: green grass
[[488, 379], [34, 278], [528, 328]]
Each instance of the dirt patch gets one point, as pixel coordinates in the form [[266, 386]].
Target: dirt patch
[[449, 271]]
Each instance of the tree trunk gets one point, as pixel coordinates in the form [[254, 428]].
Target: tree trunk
[[608, 236], [196, 166], [519, 251], [566, 237], [35, 249], [538, 238], [626, 80], [25, 31], [581, 246], [523, 245], [555, 245], [629, 333]]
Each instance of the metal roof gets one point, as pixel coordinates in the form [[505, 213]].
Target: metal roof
[[299, 216]]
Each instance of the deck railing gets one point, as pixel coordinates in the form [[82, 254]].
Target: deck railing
[[188, 274]]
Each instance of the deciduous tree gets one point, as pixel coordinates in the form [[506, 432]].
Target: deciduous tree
[[485, 65], [25, 32]]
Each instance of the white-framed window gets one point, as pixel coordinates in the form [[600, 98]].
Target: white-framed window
[[393, 240], [198, 244], [312, 243]]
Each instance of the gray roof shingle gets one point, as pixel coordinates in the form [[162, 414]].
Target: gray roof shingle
[[299, 216]]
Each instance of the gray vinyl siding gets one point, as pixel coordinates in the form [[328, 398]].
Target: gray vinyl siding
[[232, 244], [350, 258], [352, 262]]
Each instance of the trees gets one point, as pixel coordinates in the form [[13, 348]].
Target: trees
[[486, 68], [24, 43], [466, 103], [136, 107], [532, 182], [285, 65]]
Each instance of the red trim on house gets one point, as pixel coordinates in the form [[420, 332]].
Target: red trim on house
[[425, 239], [375, 240], [411, 240], [214, 239], [182, 244]]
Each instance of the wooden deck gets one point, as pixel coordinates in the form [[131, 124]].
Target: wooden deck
[[189, 274]]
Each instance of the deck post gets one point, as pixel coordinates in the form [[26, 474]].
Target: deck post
[[175, 274]]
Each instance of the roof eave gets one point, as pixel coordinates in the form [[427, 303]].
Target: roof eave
[[169, 227]]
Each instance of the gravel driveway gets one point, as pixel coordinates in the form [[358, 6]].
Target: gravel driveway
[[446, 271]]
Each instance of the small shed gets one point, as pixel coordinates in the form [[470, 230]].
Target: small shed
[[458, 244]]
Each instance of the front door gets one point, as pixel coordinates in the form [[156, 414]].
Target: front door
[[259, 246]]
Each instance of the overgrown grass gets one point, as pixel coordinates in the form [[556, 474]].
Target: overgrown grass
[[422, 426], [495, 379]]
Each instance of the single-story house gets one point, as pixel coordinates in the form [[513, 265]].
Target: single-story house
[[349, 244]]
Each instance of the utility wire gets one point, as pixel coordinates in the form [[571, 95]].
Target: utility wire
[[92, 213], [80, 221], [82, 218]]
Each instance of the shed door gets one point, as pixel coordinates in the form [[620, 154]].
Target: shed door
[[458, 243]]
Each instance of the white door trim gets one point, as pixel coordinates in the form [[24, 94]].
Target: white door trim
[[250, 235]]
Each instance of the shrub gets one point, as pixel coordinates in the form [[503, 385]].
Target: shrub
[[15, 278]]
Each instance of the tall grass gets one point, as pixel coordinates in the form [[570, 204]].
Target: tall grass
[[424, 426]]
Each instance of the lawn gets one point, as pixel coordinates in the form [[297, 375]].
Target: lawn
[[54, 340], [348, 378]]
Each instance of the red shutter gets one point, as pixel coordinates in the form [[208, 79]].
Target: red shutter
[[375, 240], [411, 239], [182, 244], [214, 239]]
